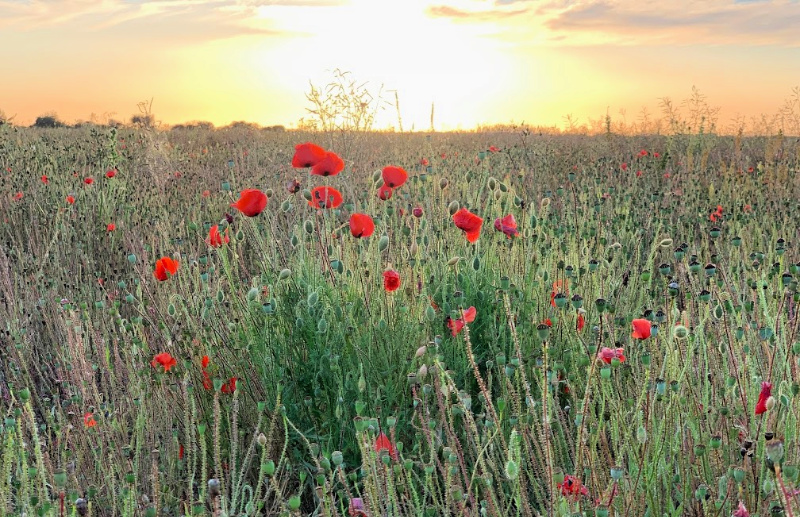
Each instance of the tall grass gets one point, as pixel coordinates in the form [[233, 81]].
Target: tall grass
[[497, 420]]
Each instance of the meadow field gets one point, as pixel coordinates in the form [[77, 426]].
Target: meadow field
[[483, 324]]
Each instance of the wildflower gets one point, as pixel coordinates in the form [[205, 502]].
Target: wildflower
[[230, 386], [110, 227], [457, 325], [656, 155], [325, 197], [204, 362], [763, 398], [251, 202], [493, 149], [18, 196], [638, 174], [385, 192], [88, 181], [307, 155], [45, 180], [417, 212], [580, 323], [572, 486], [331, 165], [71, 200], [624, 166], [206, 193], [293, 186], [642, 153], [361, 225], [507, 225], [165, 360], [641, 329], [110, 173], [607, 354], [356, 508], [424, 162], [548, 322], [391, 280], [741, 511], [469, 223], [215, 239], [383, 443], [557, 285], [165, 265], [88, 420], [393, 176], [181, 452]]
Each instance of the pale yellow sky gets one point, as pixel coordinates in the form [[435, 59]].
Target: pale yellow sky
[[479, 61]]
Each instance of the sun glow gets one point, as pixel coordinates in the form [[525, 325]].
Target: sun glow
[[426, 60]]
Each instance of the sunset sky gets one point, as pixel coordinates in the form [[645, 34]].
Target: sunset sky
[[479, 61]]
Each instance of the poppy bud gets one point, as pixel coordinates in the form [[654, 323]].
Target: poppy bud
[[383, 243], [307, 194], [213, 488], [308, 226], [286, 206], [492, 183], [666, 243], [262, 439], [545, 203], [770, 403], [443, 183], [284, 274], [377, 176], [269, 192]]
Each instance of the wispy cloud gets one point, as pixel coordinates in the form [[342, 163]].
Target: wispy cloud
[[181, 20], [635, 22]]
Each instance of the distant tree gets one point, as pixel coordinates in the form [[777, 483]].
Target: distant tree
[[48, 120], [274, 129], [241, 124], [142, 121]]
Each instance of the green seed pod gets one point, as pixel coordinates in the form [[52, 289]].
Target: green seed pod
[[284, 274], [312, 299], [383, 243], [132, 258], [171, 310], [430, 313], [295, 241], [322, 326], [286, 206], [476, 264], [308, 226], [252, 294]]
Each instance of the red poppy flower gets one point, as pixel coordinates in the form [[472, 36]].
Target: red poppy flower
[[331, 165], [110, 173], [385, 192], [206, 193], [111, 227], [741, 511], [557, 286], [325, 197], [624, 166], [180, 451], [607, 354], [45, 180], [750, 169], [638, 174], [383, 443], [18, 196], [469, 222], [71, 200], [393, 176], [88, 181], [215, 239], [88, 420], [361, 225], [572, 487], [643, 152], [641, 329], [165, 360], [656, 155], [417, 212], [391, 280], [165, 265], [230, 386], [493, 149], [424, 162], [456, 325], [307, 155], [548, 322], [507, 225], [766, 393], [580, 323], [251, 202]]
